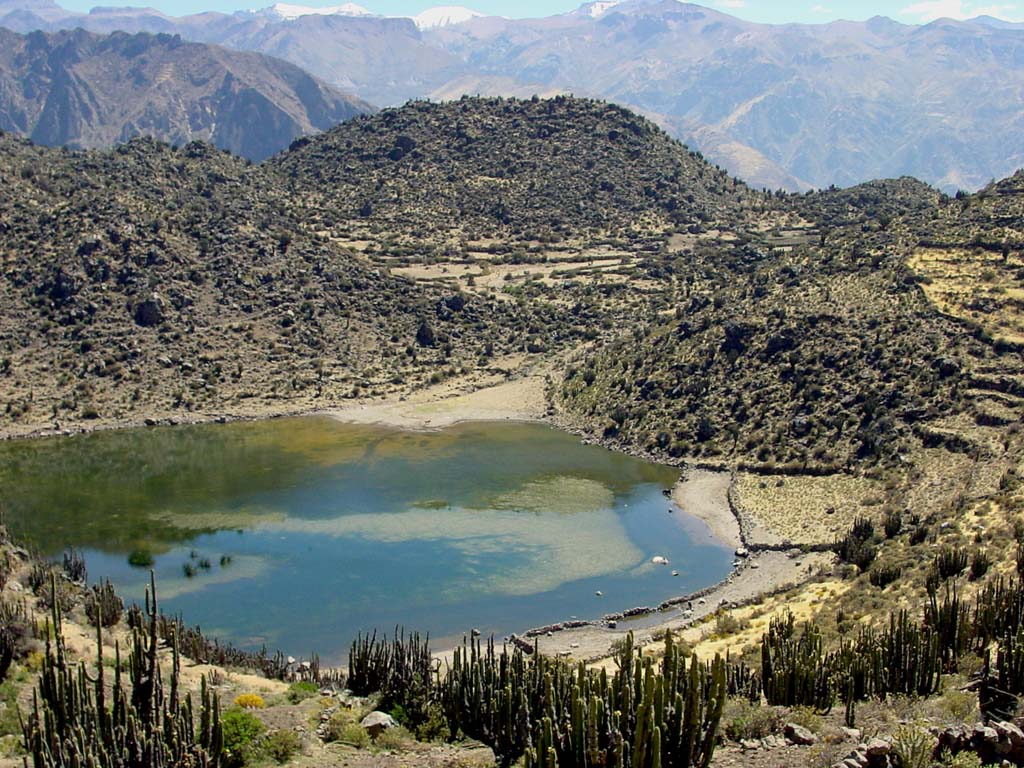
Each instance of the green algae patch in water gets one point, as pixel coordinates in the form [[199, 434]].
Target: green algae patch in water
[[298, 533]]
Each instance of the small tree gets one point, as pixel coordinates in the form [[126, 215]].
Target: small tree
[[425, 336]]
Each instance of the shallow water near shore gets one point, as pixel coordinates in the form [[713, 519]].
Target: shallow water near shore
[[298, 533]]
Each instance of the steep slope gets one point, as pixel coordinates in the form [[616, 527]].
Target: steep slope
[[148, 280], [84, 90], [809, 347], [361, 54], [971, 258], [518, 170]]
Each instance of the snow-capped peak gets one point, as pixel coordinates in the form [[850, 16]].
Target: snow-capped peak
[[444, 15], [598, 9], [288, 12]]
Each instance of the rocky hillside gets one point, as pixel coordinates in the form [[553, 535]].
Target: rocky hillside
[[83, 90], [153, 281], [708, 320], [837, 103], [521, 170], [810, 346], [970, 258]]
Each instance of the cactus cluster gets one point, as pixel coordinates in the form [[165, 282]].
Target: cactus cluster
[[646, 715], [400, 669], [999, 616], [951, 562], [16, 625], [904, 658], [194, 645], [859, 547], [795, 670], [908, 657], [74, 566], [103, 605], [882, 576], [72, 723]]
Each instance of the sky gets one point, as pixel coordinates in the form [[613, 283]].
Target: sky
[[766, 11]]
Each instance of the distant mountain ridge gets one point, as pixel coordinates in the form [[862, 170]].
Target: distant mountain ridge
[[83, 90], [796, 105]]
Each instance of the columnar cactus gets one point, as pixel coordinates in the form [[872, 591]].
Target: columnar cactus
[[71, 725]]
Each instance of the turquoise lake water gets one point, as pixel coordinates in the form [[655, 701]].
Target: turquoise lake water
[[326, 529]]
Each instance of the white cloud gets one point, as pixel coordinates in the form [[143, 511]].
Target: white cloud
[[733, 4], [820, 9], [929, 10]]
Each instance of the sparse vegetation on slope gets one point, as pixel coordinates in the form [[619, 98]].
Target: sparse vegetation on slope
[[805, 350], [542, 170], [152, 280]]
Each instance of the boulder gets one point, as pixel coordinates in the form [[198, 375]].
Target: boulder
[[150, 312], [773, 742], [1008, 732], [878, 748], [797, 734], [376, 723]]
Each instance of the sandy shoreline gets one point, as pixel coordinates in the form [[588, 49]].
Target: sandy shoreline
[[704, 494], [517, 399], [763, 574]]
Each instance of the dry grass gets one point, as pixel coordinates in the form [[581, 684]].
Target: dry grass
[[975, 285], [808, 510]]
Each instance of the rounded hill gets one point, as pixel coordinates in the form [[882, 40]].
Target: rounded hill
[[523, 169]]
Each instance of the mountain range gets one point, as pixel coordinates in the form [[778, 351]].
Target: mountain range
[[82, 90], [791, 106]]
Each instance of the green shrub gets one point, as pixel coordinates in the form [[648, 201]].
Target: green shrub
[[965, 759], [141, 558], [341, 728], [242, 731], [280, 746], [434, 727], [912, 747], [393, 738], [744, 721], [301, 691], [10, 722], [726, 624], [806, 717]]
